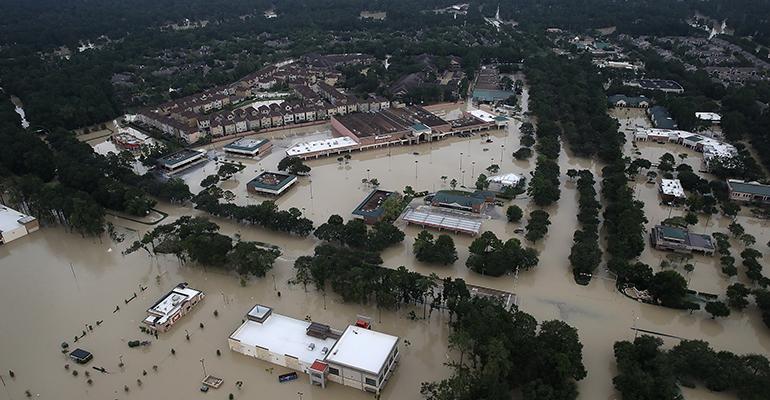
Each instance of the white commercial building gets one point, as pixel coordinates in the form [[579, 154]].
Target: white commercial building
[[498, 182], [178, 302], [322, 147], [483, 115], [357, 357], [711, 148], [671, 189], [14, 224], [710, 117]]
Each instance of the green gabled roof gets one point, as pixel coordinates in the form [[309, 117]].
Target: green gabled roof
[[749, 187], [465, 199]]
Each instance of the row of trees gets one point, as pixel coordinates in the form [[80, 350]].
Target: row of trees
[[265, 214], [647, 372], [527, 140], [585, 254], [357, 276], [198, 240]]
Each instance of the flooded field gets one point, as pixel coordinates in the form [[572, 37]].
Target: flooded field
[[53, 283]]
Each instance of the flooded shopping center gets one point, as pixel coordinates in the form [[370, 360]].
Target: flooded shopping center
[[56, 285]]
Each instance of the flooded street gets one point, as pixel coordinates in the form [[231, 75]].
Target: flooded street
[[46, 300]]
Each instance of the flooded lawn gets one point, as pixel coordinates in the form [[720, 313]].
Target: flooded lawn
[[46, 300]]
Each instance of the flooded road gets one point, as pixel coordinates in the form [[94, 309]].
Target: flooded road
[[46, 301]]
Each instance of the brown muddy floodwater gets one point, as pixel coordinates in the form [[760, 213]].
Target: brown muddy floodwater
[[53, 282]]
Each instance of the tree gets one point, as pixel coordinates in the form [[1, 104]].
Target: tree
[[442, 251], [453, 184], [522, 153], [691, 218], [748, 239], [669, 288], [247, 258], [493, 169], [737, 295], [514, 213], [717, 309], [482, 183], [227, 170], [537, 226], [572, 173], [293, 165], [544, 185], [666, 162], [736, 229], [210, 181], [445, 249], [393, 206], [491, 256]]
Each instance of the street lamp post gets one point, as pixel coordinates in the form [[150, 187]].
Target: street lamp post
[[461, 161], [203, 365], [502, 149], [415, 169], [473, 168]]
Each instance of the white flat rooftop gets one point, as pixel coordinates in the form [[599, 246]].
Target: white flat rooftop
[[169, 305], [283, 335], [336, 143], [362, 349], [708, 116], [483, 115], [672, 187], [9, 218], [506, 179]]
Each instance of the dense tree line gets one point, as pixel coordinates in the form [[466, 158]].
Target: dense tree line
[[568, 99], [647, 372], [507, 350], [198, 240], [59, 179], [570, 92], [357, 276], [585, 254], [491, 256], [265, 214]]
